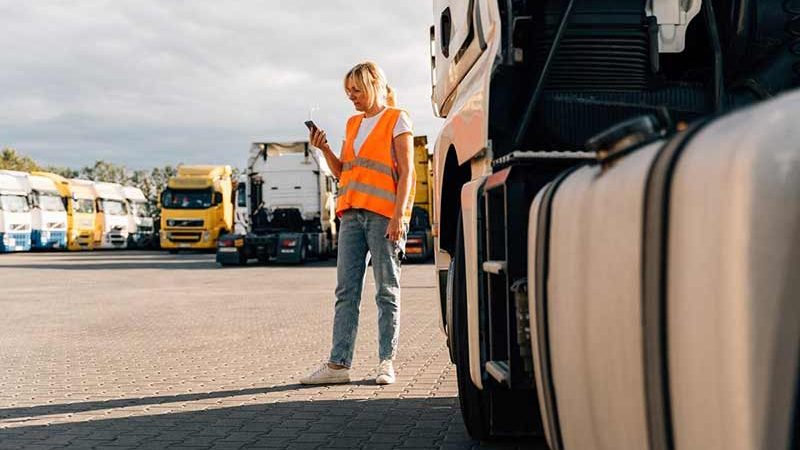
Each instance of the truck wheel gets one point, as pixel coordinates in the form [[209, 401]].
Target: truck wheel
[[303, 251], [472, 399]]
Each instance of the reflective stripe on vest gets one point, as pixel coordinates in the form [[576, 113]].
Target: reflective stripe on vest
[[369, 179]]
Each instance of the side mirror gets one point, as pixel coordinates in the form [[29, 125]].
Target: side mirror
[[217, 198]]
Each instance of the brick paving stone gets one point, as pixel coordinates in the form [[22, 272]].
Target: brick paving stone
[[186, 355]]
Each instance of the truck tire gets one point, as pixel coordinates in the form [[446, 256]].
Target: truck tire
[[303, 251], [473, 401]]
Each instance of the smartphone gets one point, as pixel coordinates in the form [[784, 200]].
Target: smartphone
[[311, 125]]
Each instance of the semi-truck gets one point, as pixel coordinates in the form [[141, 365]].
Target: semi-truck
[[112, 216], [140, 222], [616, 213], [290, 201], [419, 244], [196, 208], [48, 214], [15, 214], [84, 214], [79, 203]]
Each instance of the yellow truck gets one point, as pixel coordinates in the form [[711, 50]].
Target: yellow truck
[[78, 196], [419, 246], [196, 208]]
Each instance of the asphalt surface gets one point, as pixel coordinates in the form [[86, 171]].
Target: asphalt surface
[[148, 350]]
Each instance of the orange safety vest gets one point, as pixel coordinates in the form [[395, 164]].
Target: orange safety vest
[[369, 179]]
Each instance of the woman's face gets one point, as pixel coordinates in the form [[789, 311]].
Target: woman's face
[[357, 95]]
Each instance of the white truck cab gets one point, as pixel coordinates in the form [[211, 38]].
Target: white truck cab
[[140, 223], [15, 214], [112, 208], [48, 214]]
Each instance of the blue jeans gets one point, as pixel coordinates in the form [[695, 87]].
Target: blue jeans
[[362, 234]]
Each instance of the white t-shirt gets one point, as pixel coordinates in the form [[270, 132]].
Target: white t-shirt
[[403, 125]]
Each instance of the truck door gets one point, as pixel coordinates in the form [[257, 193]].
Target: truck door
[[457, 40]]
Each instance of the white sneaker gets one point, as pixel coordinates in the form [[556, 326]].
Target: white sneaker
[[325, 375], [385, 372]]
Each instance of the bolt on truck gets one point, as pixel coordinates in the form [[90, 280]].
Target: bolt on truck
[[617, 199], [80, 211], [196, 208], [15, 214], [290, 198], [112, 216], [48, 214]]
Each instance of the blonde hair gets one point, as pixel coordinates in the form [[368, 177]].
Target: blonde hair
[[368, 77]]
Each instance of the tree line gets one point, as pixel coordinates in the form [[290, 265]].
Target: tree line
[[151, 182]]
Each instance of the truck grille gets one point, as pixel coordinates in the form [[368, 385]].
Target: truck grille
[[184, 236], [185, 223], [613, 59]]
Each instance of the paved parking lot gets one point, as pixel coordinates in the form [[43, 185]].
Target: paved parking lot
[[149, 350]]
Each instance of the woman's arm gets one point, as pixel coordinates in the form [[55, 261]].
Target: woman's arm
[[404, 152], [318, 139]]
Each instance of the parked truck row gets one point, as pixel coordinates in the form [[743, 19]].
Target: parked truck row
[[42, 210]]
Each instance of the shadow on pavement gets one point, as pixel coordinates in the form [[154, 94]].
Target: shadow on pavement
[[366, 424], [78, 407], [203, 264]]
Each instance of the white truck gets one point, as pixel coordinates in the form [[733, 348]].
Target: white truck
[[112, 214], [140, 223], [15, 214], [48, 214], [617, 206], [290, 204]]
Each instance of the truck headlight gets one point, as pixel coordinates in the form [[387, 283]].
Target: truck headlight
[[206, 236]]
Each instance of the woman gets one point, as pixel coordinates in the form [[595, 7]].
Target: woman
[[376, 183]]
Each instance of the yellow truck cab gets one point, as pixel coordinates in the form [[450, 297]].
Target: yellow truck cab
[[419, 246], [83, 199], [79, 201], [196, 207]]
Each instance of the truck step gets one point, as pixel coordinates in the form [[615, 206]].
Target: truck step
[[499, 371], [495, 267]]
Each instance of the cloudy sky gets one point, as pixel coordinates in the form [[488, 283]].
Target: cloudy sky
[[152, 82]]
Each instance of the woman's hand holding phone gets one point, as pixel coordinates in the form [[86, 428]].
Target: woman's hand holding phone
[[317, 136]]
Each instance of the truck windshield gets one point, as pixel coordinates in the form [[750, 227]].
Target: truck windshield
[[14, 203], [83, 205], [186, 199], [114, 207], [139, 209], [50, 202], [241, 195]]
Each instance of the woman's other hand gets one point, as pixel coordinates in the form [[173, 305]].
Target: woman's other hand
[[394, 231], [318, 139]]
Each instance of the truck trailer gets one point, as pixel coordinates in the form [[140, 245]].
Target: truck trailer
[[290, 201], [617, 199], [196, 208]]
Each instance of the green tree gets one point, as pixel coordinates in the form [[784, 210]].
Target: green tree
[[65, 172], [10, 159], [105, 171]]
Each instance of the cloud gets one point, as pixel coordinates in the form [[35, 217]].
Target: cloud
[[146, 83]]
